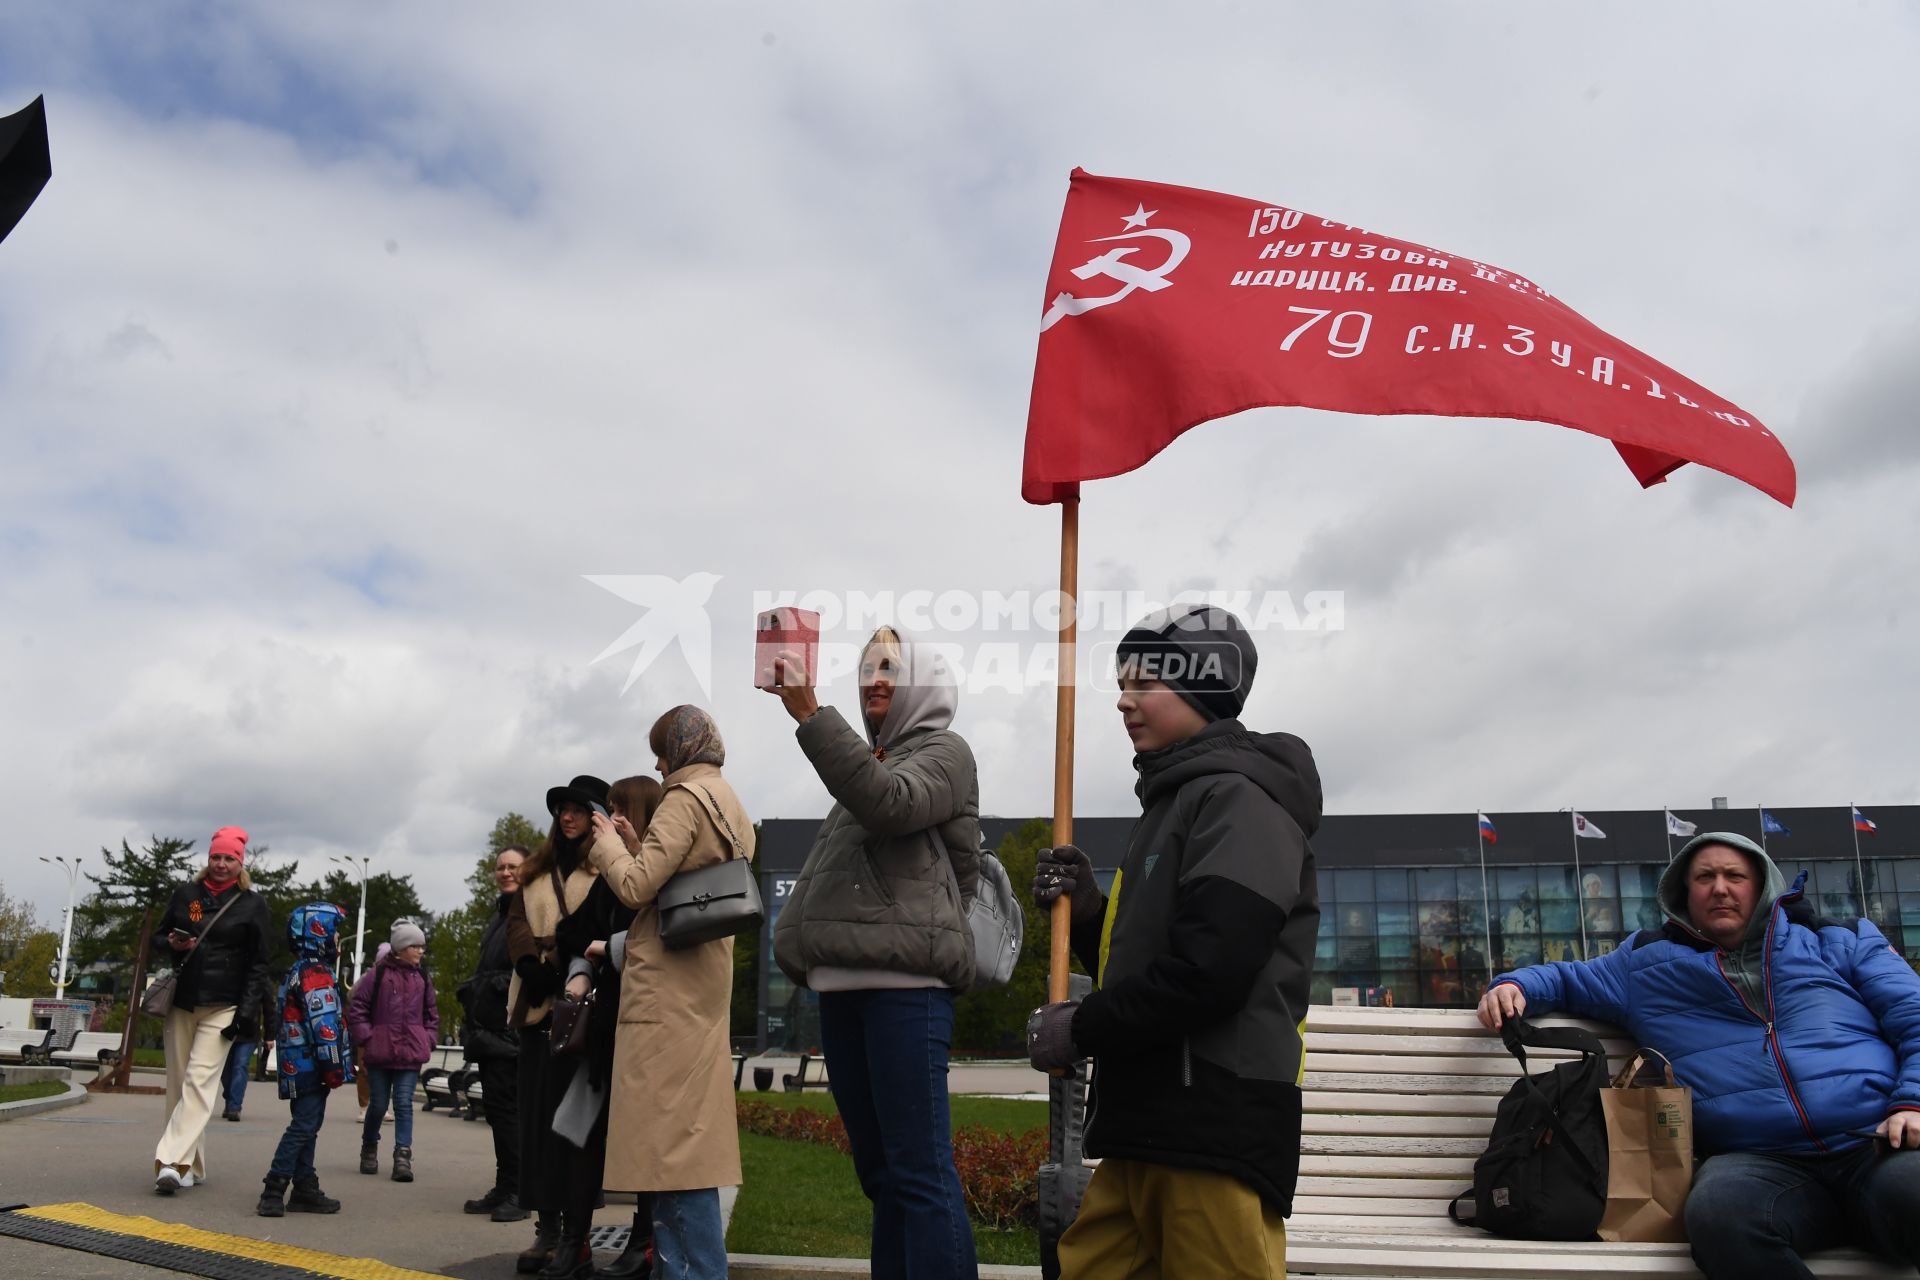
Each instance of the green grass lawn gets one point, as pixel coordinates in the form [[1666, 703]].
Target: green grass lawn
[[800, 1199], [38, 1089]]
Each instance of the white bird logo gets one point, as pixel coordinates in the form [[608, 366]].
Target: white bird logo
[[676, 610]]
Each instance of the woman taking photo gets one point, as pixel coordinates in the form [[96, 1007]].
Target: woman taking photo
[[216, 927], [876, 923], [673, 1128], [492, 1045], [556, 884]]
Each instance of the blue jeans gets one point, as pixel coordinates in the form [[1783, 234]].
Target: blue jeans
[[293, 1158], [887, 1063], [390, 1084], [233, 1079], [689, 1240], [1753, 1216]]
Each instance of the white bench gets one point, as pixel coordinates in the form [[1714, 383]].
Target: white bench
[[23, 1044], [1398, 1105], [90, 1048], [810, 1074]]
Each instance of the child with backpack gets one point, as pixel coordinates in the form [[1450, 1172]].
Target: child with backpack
[[1203, 953], [314, 1056], [396, 1023]]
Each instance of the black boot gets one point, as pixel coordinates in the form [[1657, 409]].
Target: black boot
[[273, 1194], [307, 1197], [536, 1255], [369, 1157], [487, 1202], [573, 1256], [510, 1210], [636, 1260], [402, 1164]]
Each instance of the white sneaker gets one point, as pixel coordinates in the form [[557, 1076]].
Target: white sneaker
[[187, 1180], [167, 1180], [362, 1117]]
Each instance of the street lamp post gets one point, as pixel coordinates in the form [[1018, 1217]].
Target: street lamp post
[[359, 864], [72, 868]]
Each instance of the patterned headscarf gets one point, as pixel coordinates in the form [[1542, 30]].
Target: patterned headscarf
[[687, 735]]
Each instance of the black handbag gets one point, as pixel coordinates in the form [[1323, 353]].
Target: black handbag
[[712, 902], [571, 1018]]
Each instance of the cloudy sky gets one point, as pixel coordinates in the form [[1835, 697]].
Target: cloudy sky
[[348, 340]]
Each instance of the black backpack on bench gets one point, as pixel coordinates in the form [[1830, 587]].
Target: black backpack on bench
[[1544, 1175]]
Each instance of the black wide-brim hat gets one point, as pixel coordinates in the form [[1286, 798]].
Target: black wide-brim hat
[[585, 791]]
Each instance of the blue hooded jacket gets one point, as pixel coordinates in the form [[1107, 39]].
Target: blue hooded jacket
[[313, 1049], [1831, 1047]]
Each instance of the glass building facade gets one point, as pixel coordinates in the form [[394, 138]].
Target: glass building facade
[[1417, 910]]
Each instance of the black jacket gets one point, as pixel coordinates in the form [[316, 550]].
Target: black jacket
[[1195, 1028], [230, 964], [484, 1031]]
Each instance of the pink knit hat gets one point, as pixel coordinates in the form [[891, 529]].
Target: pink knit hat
[[231, 840]]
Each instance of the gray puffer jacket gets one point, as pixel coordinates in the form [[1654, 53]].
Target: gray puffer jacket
[[896, 860]]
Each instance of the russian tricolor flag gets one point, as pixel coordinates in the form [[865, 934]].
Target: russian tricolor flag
[[1491, 836], [1861, 822]]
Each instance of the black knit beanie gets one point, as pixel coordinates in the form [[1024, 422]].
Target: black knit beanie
[[1201, 652]]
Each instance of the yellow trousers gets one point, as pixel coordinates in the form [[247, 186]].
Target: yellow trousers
[[196, 1055], [1144, 1221]]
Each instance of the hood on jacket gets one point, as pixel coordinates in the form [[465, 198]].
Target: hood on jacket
[[313, 931], [1673, 881], [1278, 763], [925, 693]]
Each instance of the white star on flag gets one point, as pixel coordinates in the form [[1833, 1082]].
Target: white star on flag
[[1138, 218], [1581, 827]]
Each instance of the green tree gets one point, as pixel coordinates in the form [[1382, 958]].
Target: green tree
[[453, 943], [106, 923], [27, 951], [993, 1020], [515, 828]]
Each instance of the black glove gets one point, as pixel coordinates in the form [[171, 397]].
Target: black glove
[[537, 981], [241, 1029], [1066, 870], [1050, 1036]]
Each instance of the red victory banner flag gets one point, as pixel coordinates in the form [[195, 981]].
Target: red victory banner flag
[[1168, 306]]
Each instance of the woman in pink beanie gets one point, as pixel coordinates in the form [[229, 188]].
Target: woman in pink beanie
[[216, 928]]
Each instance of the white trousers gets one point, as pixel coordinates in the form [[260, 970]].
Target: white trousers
[[196, 1055]]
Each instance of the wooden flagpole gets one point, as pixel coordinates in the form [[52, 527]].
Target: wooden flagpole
[[1063, 735]]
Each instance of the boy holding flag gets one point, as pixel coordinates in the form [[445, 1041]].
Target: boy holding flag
[[1203, 954]]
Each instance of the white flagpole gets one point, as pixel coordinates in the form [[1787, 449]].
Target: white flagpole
[[1763, 827], [1859, 868], [1666, 818], [1579, 888], [1486, 903]]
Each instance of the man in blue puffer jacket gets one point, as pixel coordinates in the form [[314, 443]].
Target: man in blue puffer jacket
[[1800, 1038]]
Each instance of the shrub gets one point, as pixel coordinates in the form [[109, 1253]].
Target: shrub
[[999, 1172]]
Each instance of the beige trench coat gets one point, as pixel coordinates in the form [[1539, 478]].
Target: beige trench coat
[[672, 1126]]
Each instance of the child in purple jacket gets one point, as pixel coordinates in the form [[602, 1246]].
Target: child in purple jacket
[[395, 1023]]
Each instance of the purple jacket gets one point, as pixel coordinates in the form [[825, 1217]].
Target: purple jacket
[[392, 1017]]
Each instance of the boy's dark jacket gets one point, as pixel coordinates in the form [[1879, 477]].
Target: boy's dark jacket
[[1195, 1027]]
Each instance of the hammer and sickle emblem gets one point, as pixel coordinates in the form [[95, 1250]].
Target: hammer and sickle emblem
[[1114, 266]]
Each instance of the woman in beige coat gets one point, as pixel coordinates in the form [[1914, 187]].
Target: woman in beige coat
[[672, 1128]]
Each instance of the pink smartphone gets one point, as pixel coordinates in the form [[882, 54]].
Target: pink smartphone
[[792, 631]]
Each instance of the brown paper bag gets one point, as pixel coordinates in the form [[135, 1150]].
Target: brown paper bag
[[1649, 1157]]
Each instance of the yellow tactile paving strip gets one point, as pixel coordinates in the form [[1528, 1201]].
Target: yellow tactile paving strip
[[286, 1255]]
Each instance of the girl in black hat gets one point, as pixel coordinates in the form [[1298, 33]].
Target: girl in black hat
[[561, 901]]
